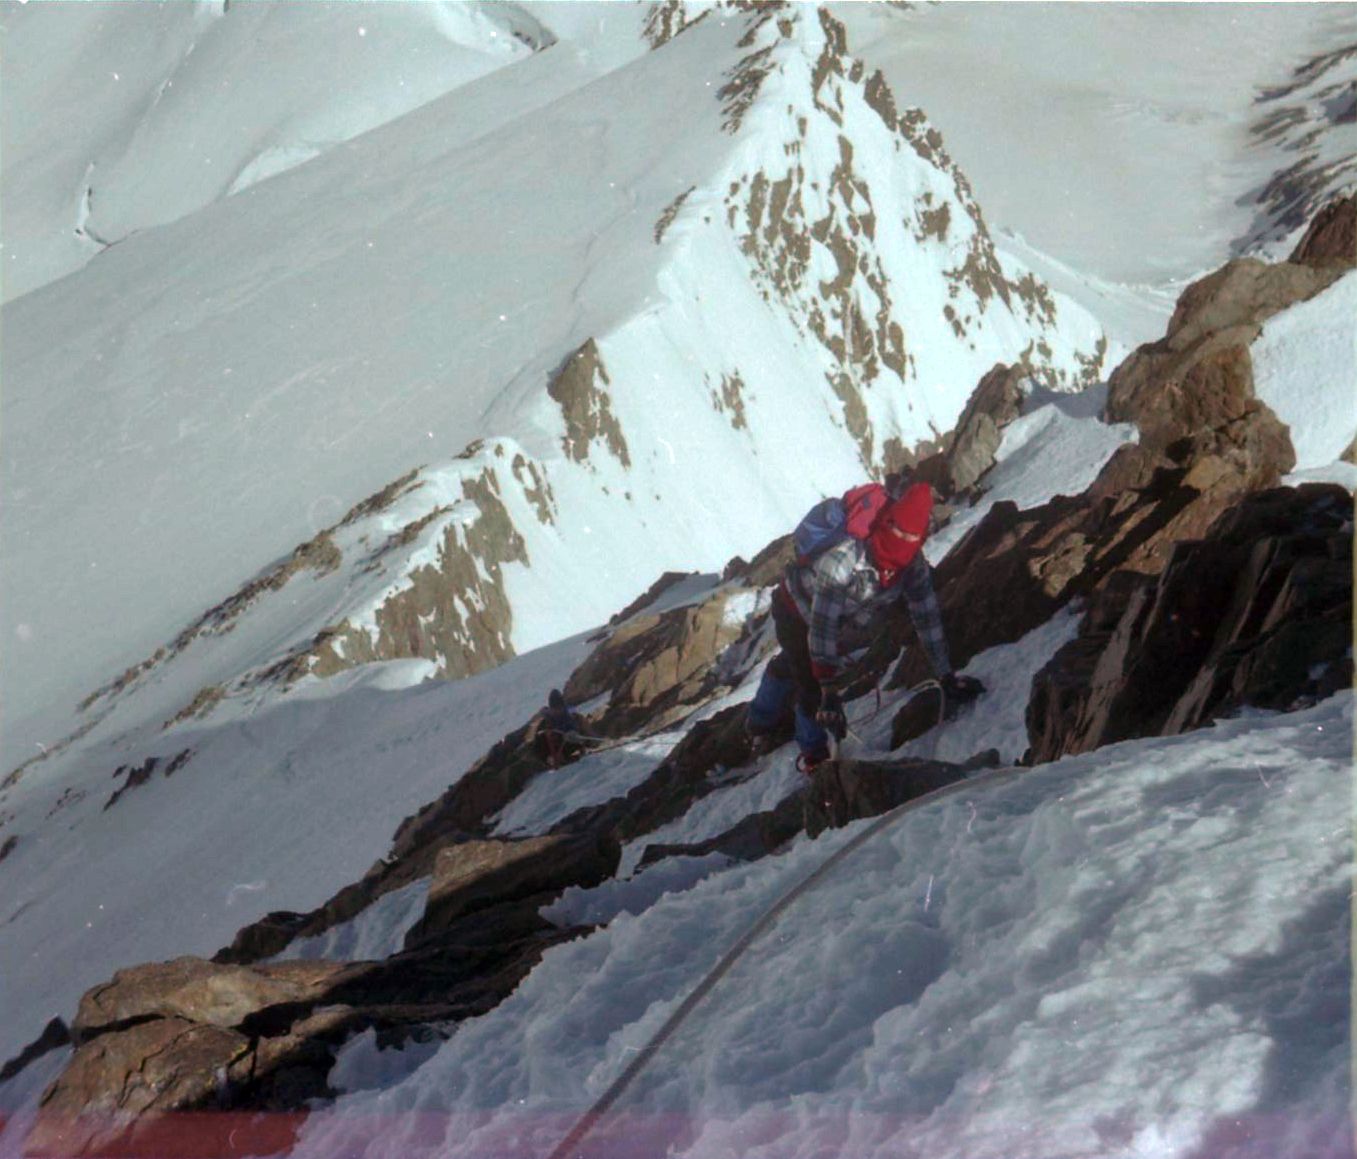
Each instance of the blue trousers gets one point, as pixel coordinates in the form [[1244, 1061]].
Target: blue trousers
[[788, 680]]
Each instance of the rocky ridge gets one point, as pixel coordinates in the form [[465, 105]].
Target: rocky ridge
[[864, 271]]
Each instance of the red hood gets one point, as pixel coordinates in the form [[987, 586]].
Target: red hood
[[900, 531]]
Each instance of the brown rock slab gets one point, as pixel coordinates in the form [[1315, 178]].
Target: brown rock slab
[[996, 402], [121, 1080], [1244, 292], [200, 991], [1198, 379], [656, 662]]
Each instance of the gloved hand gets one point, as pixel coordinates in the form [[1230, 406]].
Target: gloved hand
[[831, 717], [960, 689]]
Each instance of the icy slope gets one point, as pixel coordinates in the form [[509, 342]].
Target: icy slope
[[1309, 122], [1304, 365], [165, 108], [790, 273]]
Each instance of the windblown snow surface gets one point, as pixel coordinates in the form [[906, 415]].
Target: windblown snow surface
[[1138, 952], [1127, 140]]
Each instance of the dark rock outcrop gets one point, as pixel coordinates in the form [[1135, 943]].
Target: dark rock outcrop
[[1331, 239], [1259, 612], [482, 875], [916, 716], [844, 791], [676, 783], [1205, 443], [837, 793], [55, 1035]]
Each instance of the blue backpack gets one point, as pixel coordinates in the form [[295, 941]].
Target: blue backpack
[[833, 520]]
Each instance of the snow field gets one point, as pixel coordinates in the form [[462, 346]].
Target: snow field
[[274, 811], [303, 369], [1122, 954], [193, 319], [165, 109], [1056, 447], [1305, 368], [1044, 964], [1114, 138]]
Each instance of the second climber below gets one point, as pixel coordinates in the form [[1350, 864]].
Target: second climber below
[[849, 583]]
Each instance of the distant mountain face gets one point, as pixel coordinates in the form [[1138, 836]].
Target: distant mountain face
[[1139, 144], [1311, 121], [539, 351]]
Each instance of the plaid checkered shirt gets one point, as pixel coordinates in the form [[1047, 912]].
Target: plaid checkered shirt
[[843, 584]]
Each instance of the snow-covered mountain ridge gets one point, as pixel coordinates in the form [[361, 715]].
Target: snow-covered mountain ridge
[[1313, 119], [791, 272]]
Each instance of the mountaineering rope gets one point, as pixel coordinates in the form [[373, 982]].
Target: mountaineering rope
[[920, 687], [590, 1118], [610, 742]]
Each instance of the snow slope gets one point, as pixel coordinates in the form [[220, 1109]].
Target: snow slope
[[789, 273], [166, 108], [279, 804], [269, 812], [1304, 366], [1140, 951]]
